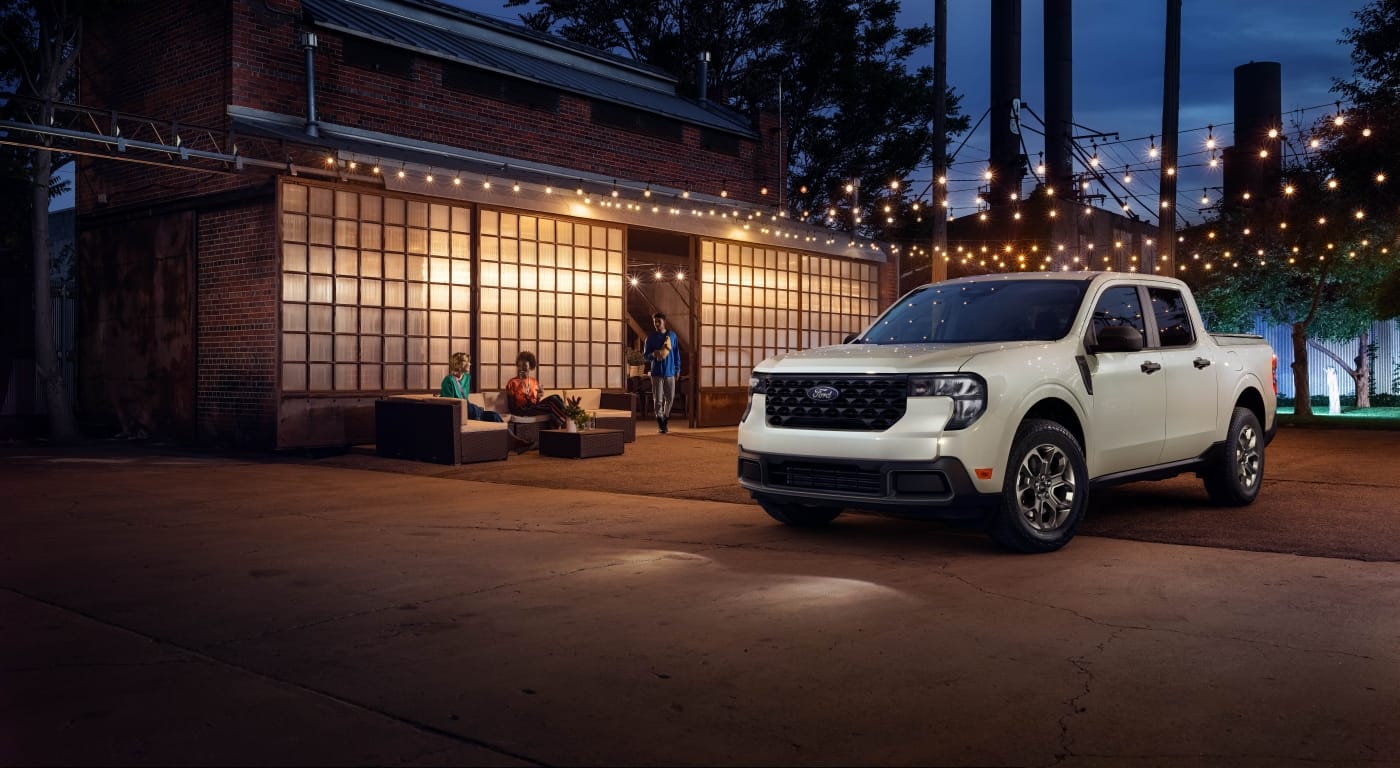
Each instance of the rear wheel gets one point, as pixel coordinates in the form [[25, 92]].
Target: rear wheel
[[799, 515], [1045, 492], [1235, 475]]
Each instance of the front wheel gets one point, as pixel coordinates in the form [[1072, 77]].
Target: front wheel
[[798, 515], [1236, 473], [1045, 491]]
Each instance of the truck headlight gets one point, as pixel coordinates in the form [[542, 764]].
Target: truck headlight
[[968, 393], [758, 385]]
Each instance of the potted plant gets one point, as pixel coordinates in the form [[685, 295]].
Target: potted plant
[[579, 418], [636, 364]]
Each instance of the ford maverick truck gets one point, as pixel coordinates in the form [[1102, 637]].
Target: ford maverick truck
[[1005, 399]]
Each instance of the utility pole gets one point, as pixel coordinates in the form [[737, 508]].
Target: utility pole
[[938, 252], [1171, 101]]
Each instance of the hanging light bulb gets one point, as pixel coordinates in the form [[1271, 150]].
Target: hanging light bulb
[[1152, 146]]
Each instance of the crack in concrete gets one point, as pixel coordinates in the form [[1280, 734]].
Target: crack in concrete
[[1073, 708]]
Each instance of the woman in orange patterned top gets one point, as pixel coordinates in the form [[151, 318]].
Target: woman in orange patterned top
[[524, 396]]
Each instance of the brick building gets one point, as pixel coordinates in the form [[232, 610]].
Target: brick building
[[303, 205]]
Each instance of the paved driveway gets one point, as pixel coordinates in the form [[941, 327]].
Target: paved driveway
[[1327, 493], [162, 609]]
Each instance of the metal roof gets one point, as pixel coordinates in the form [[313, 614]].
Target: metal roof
[[438, 30], [348, 144]]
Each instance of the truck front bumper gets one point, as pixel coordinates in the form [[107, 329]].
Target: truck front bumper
[[940, 488]]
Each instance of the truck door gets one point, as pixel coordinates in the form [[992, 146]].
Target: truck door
[[1129, 400], [1190, 370]]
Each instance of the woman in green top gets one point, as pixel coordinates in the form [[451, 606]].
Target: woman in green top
[[458, 383]]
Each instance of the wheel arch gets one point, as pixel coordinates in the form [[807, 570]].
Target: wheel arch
[[1250, 398], [1058, 410]]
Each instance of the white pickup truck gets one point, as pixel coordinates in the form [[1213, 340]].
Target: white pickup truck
[[1005, 398]]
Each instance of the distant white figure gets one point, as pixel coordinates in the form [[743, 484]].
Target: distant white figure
[[1334, 397]]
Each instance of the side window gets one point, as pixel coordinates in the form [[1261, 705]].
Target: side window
[[1173, 321], [1120, 305]]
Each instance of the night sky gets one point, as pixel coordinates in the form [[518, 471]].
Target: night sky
[[1118, 65]]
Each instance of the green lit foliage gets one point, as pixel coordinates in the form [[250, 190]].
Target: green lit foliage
[[1320, 255]]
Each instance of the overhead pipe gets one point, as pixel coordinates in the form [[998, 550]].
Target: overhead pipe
[[704, 78], [308, 43]]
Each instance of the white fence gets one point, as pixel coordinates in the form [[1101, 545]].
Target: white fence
[[1386, 337]]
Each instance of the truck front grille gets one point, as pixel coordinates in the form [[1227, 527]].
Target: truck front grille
[[870, 403], [826, 477]]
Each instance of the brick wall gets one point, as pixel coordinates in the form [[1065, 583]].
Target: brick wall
[[184, 62], [166, 61], [237, 321], [889, 282], [268, 73]]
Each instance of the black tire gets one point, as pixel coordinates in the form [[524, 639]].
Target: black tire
[[1045, 492], [798, 515], [1236, 472]]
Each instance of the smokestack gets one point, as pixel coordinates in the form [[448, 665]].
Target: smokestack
[[308, 42], [1006, 91], [1257, 109], [1059, 95], [704, 83]]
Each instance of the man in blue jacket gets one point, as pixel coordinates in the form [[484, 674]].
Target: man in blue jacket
[[662, 350]]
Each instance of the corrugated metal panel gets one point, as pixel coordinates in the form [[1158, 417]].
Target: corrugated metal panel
[[420, 34], [1386, 337]]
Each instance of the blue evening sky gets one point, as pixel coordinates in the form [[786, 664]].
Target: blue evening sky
[[1119, 55], [1118, 64]]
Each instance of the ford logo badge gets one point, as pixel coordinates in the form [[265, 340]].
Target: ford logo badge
[[823, 393]]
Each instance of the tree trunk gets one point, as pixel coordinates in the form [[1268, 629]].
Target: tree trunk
[[1302, 395], [1362, 376], [62, 426]]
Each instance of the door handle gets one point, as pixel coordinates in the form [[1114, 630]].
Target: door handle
[[1200, 363], [1151, 368]]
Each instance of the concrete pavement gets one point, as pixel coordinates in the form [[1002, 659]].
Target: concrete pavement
[[160, 608]]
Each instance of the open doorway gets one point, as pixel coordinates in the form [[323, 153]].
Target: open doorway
[[661, 278]]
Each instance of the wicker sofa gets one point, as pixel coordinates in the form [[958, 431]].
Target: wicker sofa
[[611, 410], [436, 429]]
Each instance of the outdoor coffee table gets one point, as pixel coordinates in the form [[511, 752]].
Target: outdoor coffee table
[[581, 445]]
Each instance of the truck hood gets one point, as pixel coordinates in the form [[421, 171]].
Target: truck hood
[[884, 358]]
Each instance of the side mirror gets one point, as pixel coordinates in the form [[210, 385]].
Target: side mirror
[[1117, 338]]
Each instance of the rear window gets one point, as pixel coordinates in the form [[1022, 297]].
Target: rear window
[[1173, 320]]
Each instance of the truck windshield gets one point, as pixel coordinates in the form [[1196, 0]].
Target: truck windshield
[[980, 311]]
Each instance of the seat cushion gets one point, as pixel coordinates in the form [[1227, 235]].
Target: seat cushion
[[474, 425], [588, 397]]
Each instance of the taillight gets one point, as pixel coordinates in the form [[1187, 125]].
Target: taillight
[[1273, 371]]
